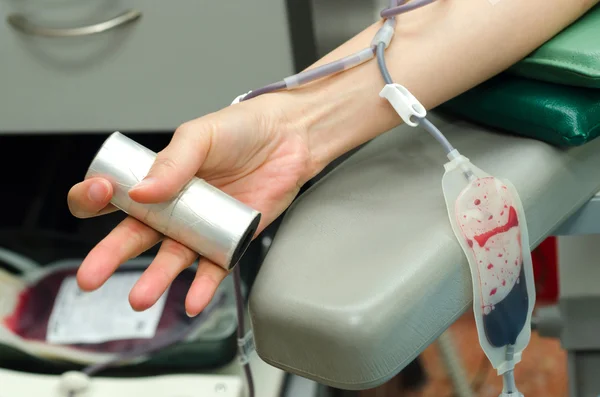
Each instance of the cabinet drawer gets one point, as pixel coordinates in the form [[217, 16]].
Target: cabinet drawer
[[179, 60]]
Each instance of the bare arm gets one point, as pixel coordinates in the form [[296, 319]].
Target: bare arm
[[438, 52]]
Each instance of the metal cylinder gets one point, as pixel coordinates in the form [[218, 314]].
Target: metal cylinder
[[201, 217]]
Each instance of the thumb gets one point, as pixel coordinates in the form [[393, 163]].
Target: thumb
[[175, 165]]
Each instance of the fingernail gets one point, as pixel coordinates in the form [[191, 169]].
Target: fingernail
[[143, 183], [190, 315], [98, 192]]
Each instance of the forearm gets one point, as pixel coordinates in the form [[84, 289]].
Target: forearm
[[438, 52]]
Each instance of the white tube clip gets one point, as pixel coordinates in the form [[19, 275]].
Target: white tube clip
[[405, 104], [239, 98]]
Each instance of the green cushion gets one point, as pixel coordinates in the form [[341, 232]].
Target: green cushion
[[572, 57], [557, 114]]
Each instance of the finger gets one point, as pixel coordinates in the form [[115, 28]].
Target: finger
[[129, 239], [176, 164], [203, 288], [91, 198], [171, 259]]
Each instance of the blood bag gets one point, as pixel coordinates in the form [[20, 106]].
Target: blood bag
[[47, 315], [488, 220]]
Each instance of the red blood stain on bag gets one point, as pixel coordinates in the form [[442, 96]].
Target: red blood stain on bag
[[32, 313]]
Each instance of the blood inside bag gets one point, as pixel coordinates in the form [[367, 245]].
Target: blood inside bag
[[489, 222], [32, 314]]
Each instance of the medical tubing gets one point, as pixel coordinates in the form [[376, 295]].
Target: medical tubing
[[509, 385], [401, 9], [385, 34], [310, 75], [240, 308], [381, 63], [437, 134], [19, 262], [280, 85], [330, 68]]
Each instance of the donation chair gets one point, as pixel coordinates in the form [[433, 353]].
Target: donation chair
[[365, 271]]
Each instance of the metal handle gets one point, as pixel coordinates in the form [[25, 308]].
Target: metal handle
[[20, 22]]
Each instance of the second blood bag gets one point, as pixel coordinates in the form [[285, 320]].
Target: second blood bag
[[45, 314], [488, 220]]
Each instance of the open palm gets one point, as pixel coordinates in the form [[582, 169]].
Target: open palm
[[248, 150]]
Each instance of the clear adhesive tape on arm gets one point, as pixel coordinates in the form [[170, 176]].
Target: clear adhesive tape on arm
[[488, 220], [404, 103]]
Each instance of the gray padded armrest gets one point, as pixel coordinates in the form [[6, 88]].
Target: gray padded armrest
[[365, 272]]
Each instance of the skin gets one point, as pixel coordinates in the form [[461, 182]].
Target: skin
[[263, 150]]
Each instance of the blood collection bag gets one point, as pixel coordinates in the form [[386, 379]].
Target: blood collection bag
[[488, 220], [47, 315]]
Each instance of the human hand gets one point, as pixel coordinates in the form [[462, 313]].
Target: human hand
[[253, 151]]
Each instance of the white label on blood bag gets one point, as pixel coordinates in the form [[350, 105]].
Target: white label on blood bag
[[103, 315]]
